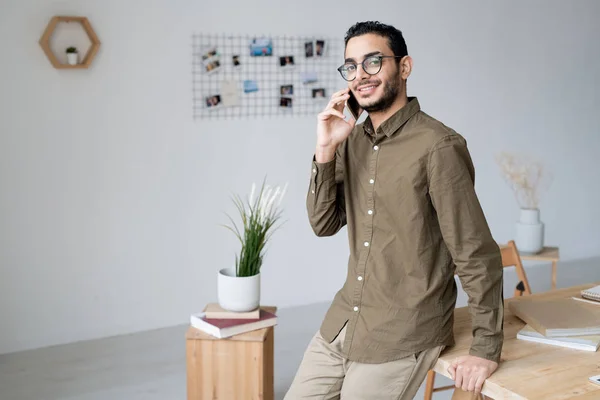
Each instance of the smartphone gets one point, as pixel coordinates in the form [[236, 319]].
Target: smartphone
[[595, 379], [353, 106]]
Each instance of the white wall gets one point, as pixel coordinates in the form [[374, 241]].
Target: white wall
[[111, 195]]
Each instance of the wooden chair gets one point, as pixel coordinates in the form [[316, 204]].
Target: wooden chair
[[510, 258]]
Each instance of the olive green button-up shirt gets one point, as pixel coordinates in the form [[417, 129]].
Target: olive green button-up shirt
[[406, 194]]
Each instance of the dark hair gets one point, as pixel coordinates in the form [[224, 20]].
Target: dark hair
[[393, 35]]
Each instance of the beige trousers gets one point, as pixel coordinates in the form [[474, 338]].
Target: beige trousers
[[325, 374]]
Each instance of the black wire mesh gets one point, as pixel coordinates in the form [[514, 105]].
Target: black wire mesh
[[263, 76]]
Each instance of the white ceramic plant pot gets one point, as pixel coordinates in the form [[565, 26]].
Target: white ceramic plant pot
[[72, 58], [238, 294], [530, 231]]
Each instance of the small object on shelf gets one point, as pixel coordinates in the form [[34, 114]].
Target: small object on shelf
[[224, 328], [215, 311], [238, 288], [87, 59], [530, 232], [72, 55]]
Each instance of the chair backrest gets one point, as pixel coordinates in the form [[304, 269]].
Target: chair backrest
[[511, 258]]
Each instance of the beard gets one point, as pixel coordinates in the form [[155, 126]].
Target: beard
[[390, 93]]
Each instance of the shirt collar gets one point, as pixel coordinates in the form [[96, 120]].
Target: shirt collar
[[393, 123]]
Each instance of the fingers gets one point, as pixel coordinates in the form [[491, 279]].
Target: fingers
[[330, 112], [453, 367], [469, 380], [452, 370], [470, 373], [338, 101], [335, 106], [340, 92], [458, 380], [479, 384], [471, 384], [338, 97]]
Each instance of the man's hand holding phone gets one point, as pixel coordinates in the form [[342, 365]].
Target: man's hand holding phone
[[332, 127]]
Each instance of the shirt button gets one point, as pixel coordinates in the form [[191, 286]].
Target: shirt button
[[314, 170], [359, 278], [366, 244], [371, 180], [312, 191], [370, 212], [375, 147], [355, 308]]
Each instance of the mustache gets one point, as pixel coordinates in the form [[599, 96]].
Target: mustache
[[367, 83]]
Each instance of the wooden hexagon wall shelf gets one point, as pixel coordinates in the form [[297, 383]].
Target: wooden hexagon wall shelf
[[89, 56]]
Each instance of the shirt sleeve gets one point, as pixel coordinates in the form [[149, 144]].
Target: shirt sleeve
[[466, 233], [325, 200]]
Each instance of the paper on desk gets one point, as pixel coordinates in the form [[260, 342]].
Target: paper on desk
[[579, 298]]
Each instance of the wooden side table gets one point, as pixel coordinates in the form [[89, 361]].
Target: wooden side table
[[238, 367], [547, 254]]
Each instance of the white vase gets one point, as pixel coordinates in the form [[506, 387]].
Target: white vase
[[238, 294], [72, 58], [530, 231]]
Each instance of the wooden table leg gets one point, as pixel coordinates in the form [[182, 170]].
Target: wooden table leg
[[460, 394], [553, 274]]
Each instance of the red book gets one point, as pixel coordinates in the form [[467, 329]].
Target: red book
[[222, 328]]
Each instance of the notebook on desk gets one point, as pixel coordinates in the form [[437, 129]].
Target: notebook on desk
[[558, 317], [586, 343], [591, 293]]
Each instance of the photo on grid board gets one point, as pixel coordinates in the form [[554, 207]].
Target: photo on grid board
[[318, 93], [308, 49], [260, 47], [287, 90], [208, 52], [235, 61], [211, 59], [250, 86], [213, 101], [212, 66], [286, 61], [285, 102], [230, 93], [320, 48], [308, 77]]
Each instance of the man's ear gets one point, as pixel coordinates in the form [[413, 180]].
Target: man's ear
[[406, 64]]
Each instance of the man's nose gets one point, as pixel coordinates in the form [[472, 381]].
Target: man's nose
[[360, 73]]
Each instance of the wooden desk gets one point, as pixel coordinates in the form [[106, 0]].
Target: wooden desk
[[530, 370], [551, 254]]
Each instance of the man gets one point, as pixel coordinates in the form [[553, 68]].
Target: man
[[403, 184]]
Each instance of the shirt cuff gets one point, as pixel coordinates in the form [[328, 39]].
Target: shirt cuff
[[485, 353], [322, 172]]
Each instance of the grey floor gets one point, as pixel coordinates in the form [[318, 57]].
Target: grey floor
[[151, 365], [141, 366]]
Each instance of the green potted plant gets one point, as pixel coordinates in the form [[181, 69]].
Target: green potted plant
[[72, 55], [239, 287]]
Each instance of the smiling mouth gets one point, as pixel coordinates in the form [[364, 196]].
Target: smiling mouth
[[366, 89]]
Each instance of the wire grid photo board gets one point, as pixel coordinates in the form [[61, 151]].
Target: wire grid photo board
[[244, 76]]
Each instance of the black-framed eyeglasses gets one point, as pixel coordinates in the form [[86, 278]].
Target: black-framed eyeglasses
[[371, 65]]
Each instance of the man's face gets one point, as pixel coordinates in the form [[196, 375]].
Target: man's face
[[374, 92]]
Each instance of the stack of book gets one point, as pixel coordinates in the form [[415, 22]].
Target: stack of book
[[222, 323], [565, 322]]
